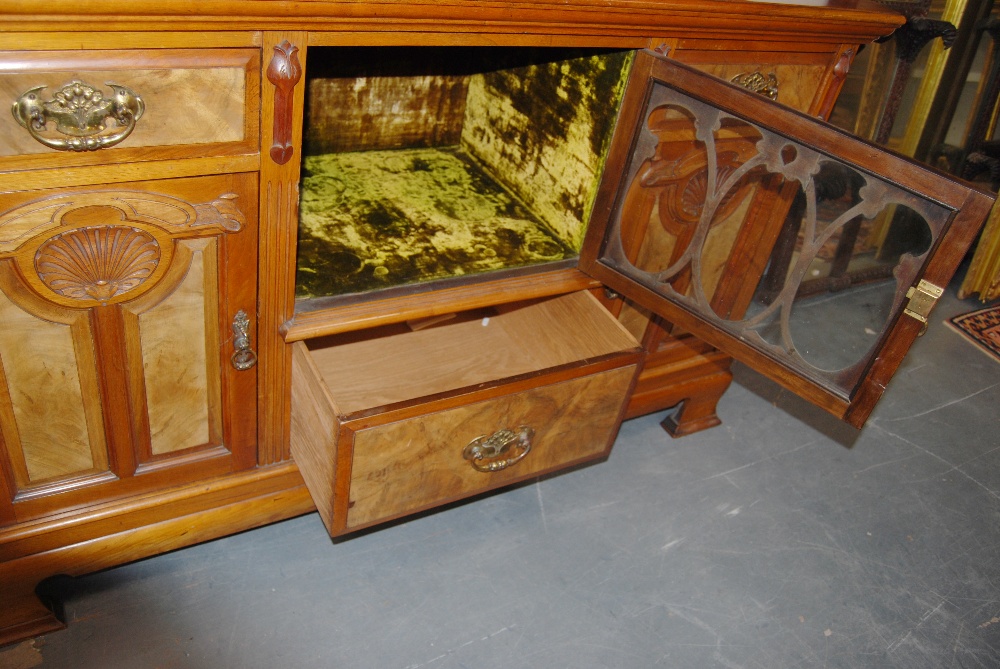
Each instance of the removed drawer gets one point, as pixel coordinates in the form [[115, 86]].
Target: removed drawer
[[132, 105], [385, 426]]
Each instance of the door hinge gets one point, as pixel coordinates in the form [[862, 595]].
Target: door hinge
[[922, 299]]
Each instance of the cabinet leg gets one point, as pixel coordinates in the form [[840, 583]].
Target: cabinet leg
[[697, 412], [685, 374]]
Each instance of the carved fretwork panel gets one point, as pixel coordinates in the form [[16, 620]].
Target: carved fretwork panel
[[114, 355], [688, 235], [667, 198], [701, 228], [675, 201]]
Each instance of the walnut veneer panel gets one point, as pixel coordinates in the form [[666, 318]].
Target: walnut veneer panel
[[51, 420], [181, 378], [412, 464]]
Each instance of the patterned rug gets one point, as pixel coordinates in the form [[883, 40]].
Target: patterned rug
[[982, 328]]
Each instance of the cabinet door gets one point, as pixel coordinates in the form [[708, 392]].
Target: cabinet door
[[685, 225], [117, 367]]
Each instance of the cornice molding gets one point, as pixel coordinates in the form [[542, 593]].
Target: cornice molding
[[838, 20]]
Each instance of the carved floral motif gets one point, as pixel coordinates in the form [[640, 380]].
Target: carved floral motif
[[284, 71]]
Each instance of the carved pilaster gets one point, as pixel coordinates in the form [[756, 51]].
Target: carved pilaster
[[837, 77], [279, 190]]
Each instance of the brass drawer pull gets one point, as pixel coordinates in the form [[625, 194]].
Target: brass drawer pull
[[758, 82], [243, 357], [502, 449], [80, 112]]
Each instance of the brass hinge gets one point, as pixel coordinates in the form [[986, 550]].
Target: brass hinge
[[922, 298]]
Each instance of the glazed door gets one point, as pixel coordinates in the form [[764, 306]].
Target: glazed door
[[126, 362], [718, 205]]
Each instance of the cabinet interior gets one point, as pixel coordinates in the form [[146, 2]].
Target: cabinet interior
[[407, 361], [433, 164]]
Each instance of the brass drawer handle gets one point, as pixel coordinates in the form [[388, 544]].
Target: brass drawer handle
[[243, 357], [500, 450], [80, 112], [758, 82]]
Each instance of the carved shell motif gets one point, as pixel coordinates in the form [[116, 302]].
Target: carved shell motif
[[97, 263]]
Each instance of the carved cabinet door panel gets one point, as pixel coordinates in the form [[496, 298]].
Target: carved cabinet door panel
[[126, 335], [804, 76], [684, 226]]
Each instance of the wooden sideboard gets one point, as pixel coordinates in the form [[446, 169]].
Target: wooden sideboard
[[162, 383]]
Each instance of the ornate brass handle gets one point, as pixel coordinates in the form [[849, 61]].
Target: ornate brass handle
[[243, 357], [80, 112], [758, 82], [500, 450]]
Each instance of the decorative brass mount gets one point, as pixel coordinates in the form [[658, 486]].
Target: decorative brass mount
[[243, 357], [80, 112], [758, 82]]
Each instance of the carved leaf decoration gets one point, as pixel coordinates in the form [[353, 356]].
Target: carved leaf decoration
[[97, 263], [172, 214], [222, 212]]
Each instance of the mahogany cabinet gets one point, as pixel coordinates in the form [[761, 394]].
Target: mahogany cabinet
[[210, 322]]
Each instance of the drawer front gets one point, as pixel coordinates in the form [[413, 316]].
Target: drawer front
[[372, 470], [413, 464], [792, 78], [185, 102]]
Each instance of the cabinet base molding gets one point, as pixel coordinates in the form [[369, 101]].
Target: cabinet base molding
[[81, 543]]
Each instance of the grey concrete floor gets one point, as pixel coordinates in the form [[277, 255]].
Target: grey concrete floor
[[780, 539]]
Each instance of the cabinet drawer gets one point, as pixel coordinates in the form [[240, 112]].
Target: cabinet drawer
[[167, 103], [387, 425], [793, 78]]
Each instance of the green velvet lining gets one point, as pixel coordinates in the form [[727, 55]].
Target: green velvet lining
[[377, 219], [379, 209]]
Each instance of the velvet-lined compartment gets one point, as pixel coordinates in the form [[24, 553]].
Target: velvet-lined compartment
[[425, 164]]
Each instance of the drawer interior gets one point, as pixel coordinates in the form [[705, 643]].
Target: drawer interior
[[402, 363]]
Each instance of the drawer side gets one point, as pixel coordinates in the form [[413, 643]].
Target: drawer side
[[314, 431]]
